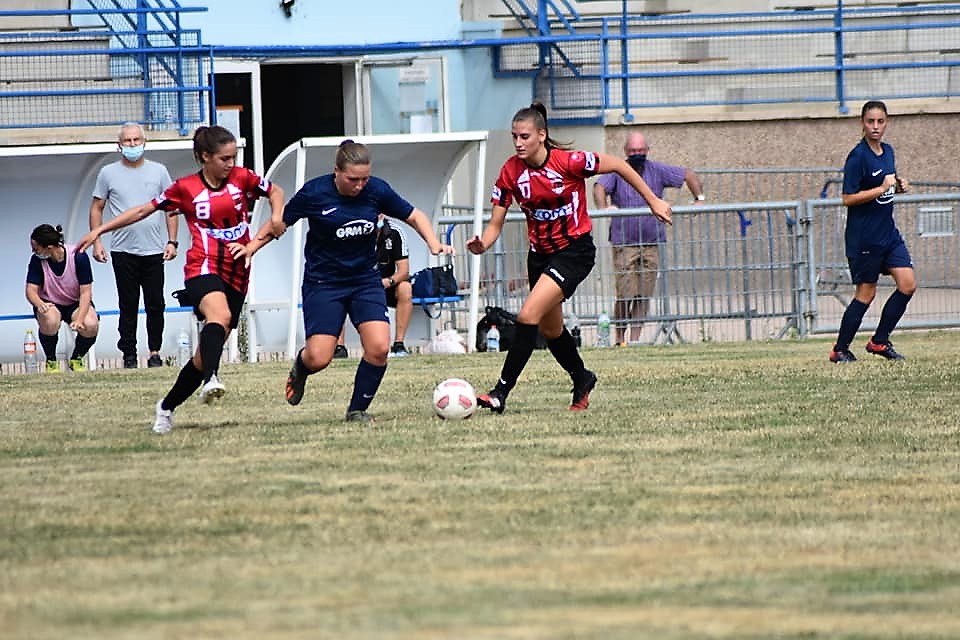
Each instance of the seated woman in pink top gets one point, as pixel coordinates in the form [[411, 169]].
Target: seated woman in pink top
[[60, 288]]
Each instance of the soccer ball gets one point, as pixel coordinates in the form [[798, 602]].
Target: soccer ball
[[454, 399]]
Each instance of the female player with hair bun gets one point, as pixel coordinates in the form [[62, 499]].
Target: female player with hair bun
[[60, 289], [341, 275], [547, 181], [216, 203]]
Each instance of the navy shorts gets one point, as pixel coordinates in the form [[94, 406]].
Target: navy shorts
[[567, 267], [326, 306], [867, 267], [200, 286]]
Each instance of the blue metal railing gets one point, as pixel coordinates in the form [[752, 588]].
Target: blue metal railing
[[611, 63], [152, 70]]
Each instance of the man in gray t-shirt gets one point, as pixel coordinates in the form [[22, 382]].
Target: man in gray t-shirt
[[138, 251]]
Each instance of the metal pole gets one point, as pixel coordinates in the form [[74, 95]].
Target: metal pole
[[838, 57], [624, 65]]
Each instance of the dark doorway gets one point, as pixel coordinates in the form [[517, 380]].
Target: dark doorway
[[233, 90], [299, 100]]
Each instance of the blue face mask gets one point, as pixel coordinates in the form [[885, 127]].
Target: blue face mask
[[132, 153], [40, 257], [380, 223]]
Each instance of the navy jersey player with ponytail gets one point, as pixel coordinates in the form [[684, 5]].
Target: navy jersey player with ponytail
[[547, 182], [341, 274], [873, 243]]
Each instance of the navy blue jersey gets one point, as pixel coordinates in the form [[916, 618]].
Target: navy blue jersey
[[869, 225], [342, 236], [82, 261]]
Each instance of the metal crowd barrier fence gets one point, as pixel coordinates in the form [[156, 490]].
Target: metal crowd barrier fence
[[739, 271], [928, 224]]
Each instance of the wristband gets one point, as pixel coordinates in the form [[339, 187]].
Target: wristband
[[176, 245]]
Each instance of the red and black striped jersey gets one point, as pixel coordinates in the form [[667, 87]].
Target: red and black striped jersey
[[552, 196], [216, 217]]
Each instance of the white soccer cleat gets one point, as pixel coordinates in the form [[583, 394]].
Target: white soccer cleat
[[213, 390], [163, 422]]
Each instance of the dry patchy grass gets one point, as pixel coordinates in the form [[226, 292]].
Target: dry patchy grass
[[711, 491]]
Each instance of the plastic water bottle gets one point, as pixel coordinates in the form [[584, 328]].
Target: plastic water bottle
[[603, 330], [29, 352], [493, 339], [184, 352]]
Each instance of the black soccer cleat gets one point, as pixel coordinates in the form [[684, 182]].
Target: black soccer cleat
[[295, 386], [842, 355], [493, 401], [883, 349], [582, 389]]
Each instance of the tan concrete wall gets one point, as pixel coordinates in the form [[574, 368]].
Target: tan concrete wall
[[925, 144]]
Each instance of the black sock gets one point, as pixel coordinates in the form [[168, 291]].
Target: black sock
[[81, 345], [212, 337], [564, 350], [49, 345], [301, 366], [365, 384], [852, 318], [188, 381], [893, 310], [518, 355]]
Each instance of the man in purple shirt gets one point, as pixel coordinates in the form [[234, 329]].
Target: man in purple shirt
[[636, 240]]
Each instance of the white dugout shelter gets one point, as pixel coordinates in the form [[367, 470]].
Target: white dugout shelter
[[418, 166]]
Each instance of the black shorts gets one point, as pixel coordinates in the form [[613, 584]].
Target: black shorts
[[196, 288], [66, 311], [567, 267]]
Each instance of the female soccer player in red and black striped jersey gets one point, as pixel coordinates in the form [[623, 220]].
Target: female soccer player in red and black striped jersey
[[216, 203], [547, 181]]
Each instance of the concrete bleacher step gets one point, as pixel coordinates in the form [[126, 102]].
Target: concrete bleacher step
[[25, 111], [62, 66]]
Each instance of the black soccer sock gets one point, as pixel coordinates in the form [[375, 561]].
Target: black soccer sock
[[852, 318], [212, 337], [518, 355], [189, 380], [893, 310], [81, 345], [301, 366], [49, 345], [365, 384], [564, 350]]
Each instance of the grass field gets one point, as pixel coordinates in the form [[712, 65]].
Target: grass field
[[710, 491]]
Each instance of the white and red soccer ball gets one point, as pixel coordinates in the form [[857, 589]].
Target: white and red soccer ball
[[454, 399]]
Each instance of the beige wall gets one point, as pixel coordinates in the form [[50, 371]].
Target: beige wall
[[925, 144]]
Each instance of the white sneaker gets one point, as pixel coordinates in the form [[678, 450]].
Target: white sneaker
[[163, 423], [213, 390]]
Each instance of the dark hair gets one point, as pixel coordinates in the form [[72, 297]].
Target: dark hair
[[350, 152], [872, 104], [209, 140], [538, 114], [46, 235]]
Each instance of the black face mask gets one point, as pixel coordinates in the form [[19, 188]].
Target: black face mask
[[637, 161]]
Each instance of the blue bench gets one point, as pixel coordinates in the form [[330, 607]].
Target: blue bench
[[441, 300]]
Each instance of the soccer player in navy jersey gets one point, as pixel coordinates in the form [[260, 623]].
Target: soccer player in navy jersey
[[873, 243], [341, 275], [60, 289], [216, 203], [547, 181]]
